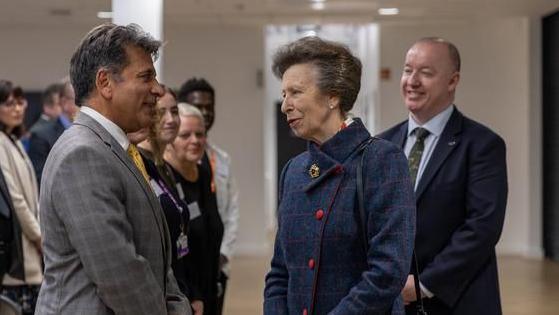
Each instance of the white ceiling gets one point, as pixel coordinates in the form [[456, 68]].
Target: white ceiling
[[65, 13]]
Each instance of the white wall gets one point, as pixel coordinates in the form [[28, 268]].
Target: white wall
[[34, 58], [229, 58], [495, 89]]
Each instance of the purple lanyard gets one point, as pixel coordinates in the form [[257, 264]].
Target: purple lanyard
[[162, 186]]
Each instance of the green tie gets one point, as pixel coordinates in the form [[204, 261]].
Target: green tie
[[414, 157]]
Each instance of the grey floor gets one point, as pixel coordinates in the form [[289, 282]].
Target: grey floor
[[528, 286]]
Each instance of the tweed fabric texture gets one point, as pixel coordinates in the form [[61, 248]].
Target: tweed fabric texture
[[106, 244], [318, 263]]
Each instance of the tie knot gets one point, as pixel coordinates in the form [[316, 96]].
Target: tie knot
[[421, 133], [137, 159], [132, 150]]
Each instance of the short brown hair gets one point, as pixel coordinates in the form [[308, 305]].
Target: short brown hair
[[339, 71]]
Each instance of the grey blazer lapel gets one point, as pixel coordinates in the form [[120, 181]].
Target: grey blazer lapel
[[449, 140], [114, 146]]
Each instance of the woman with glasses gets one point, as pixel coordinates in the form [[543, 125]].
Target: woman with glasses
[[22, 185], [205, 230]]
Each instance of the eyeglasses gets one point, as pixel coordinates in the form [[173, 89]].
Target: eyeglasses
[[11, 103]]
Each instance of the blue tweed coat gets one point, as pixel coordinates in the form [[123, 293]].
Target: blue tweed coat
[[319, 264]]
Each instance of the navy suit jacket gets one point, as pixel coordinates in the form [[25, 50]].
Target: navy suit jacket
[[43, 137], [461, 200]]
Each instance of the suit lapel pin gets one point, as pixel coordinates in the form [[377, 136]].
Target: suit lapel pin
[[451, 143], [314, 171]]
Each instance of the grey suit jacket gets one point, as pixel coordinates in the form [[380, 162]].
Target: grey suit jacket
[[106, 244]]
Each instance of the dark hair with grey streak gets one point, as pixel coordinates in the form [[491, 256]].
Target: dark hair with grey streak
[[339, 71], [104, 47], [452, 50]]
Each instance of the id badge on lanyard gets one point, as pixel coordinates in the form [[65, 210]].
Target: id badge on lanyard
[[182, 245]]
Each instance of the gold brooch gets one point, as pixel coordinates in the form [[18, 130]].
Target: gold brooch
[[314, 171]]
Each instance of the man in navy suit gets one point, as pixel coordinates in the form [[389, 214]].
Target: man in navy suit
[[45, 133], [460, 173]]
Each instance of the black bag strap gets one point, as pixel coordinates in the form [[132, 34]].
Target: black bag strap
[[415, 271], [360, 199]]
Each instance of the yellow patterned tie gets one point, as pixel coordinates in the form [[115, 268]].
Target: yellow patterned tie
[[137, 158]]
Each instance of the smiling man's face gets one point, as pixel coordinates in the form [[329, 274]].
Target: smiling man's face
[[428, 81], [135, 92]]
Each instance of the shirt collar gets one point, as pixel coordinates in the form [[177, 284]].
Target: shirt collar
[[110, 126], [66, 123], [435, 125]]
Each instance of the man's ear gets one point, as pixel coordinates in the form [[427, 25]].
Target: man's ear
[[454, 79], [104, 83]]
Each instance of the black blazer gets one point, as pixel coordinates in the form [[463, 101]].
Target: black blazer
[[461, 200], [11, 250]]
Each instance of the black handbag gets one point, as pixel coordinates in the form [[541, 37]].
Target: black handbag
[[360, 199]]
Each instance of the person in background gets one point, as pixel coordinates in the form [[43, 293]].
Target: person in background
[[44, 134], [51, 105], [329, 256], [68, 101], [459, 170], [162, 132], [205, 231], [152, 142], [22, 186], [106, 242], [201, 94]]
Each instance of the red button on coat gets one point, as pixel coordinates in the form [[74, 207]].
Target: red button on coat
[[305, 312], [319, 214], [311, 263]]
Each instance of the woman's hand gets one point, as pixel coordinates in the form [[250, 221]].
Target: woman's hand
[[197, 307], [408, 293]]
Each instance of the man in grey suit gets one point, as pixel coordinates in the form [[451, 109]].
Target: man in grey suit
[[106, 244]]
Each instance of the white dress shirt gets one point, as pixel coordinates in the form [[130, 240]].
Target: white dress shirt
[[435, 126], [111, 127]]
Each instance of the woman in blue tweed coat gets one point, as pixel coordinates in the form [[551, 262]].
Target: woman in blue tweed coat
[[321, 264]]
